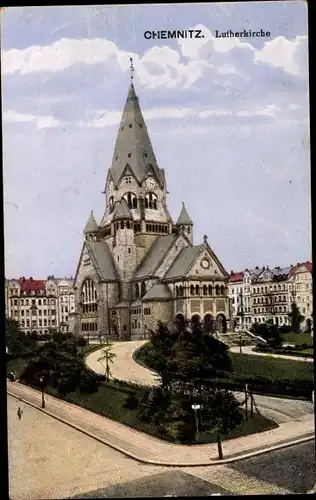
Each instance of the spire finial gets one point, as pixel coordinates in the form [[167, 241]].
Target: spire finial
[[205, 238], [131, 69]]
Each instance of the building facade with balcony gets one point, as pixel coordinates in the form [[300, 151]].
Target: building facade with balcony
[[301, 290]]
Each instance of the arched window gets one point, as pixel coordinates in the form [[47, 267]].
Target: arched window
[[210, 290], [143, 289], [131, 200], [177, 291], [181, 291], [151, 201], [222, 290], [111, 204], [217, 290], [197, 289], [189, 230], [89, 297], [137, 290], [122, 224], [204, 289], [192, 289]]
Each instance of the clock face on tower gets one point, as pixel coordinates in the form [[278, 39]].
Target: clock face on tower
[[150, 183], [111, 186]]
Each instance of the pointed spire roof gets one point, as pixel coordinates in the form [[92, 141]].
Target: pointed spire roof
[[91, 225], [122, 211], [184, 217], [133, 146]]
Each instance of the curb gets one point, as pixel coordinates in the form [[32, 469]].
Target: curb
[[242, 456]]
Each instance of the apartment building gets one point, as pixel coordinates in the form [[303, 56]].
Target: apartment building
[[38, 305], [301, 290], [262, 294]]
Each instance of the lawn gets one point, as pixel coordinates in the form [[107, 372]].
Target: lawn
[[271, 368], [109, 402], [298, 338]]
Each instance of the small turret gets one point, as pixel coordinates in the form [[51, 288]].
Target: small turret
[[91, 228], [185, 223]]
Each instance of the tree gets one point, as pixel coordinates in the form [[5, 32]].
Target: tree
[[108, 356], [296, 318], [224, 411], [17, 342]]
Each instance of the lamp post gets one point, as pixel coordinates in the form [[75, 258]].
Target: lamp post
[[195, 408], [41, 379]]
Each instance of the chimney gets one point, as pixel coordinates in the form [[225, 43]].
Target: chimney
[[231, 272], [264, 268], [256, 267], [31, 279]]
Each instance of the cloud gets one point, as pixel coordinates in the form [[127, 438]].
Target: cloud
[[162, 66], [109, 118], [290, 55], [41, 122]]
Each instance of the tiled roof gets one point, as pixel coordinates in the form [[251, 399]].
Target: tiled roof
[[102, 260], [183, 262], [91, 225], [184, 217], [308, 265], [155, 255], [158, 292], [122, 211], [234, 277], [28, 285], [133, 146]]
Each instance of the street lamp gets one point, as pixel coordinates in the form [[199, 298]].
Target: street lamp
[[41, 379], [195, 408]]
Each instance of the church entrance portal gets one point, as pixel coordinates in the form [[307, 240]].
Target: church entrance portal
[[195, 319]]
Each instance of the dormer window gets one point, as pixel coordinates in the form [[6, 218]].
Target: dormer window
[[145, 155], [129, 155], [130, 125], [111, 204]]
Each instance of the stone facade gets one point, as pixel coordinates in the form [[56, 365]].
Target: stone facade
[[137, 266]]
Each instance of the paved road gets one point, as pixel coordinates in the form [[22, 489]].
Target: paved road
[[293, 468], [249, 350], [125, 368], [63, 462]]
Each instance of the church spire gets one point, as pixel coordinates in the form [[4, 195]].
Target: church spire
[[133, 149]]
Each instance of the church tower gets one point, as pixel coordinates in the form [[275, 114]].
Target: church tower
[[134, 176], [185, 224]]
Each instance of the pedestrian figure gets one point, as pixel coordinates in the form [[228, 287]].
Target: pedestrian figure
[[19, 413]]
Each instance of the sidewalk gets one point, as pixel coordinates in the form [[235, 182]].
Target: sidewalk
[[148, 449], [249, 350]]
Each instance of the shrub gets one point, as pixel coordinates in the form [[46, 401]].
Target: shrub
[[131, 402]]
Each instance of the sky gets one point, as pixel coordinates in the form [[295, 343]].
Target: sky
[[228, 119]]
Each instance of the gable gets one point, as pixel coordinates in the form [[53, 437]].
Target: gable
[[205, 265], [265, 276], [84, 264]]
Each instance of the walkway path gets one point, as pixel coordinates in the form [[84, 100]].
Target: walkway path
[[125, 368], [249, 350], [148, 449]]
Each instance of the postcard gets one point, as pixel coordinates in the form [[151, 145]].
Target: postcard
[[158, 269]]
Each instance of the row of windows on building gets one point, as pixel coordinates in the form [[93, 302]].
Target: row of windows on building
[[196, 290], [64, 309], [272, 288], [281, 320], [15, 291], [26, 302], [268, 309], [277, 298], [136, 311], [156, 228], [89, 327], [245, 289], [151, 201], [44, 322], [39, 312], [147, 311]]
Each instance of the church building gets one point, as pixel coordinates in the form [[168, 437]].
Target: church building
[[137, 266]]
